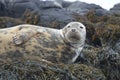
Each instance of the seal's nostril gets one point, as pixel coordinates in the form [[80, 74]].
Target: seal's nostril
[[73, 30]]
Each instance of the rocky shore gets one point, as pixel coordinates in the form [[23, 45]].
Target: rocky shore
[[100, 57]]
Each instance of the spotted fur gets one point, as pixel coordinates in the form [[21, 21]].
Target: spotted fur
[[46, 43]]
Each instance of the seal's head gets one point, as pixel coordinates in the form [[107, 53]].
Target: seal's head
[[74, 32]]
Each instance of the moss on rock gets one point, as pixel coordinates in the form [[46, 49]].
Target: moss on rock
[[6, 22], [27, 69]]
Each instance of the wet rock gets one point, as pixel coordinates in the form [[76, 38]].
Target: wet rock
[[99, 59], [117, 46], [109, 62], [29, 69], [6, 22]]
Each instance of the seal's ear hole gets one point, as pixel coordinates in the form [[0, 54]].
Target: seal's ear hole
[[81, 27]]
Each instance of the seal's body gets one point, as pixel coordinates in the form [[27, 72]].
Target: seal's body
[[46, 43]]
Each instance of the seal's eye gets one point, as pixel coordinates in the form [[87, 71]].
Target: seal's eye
[[81, 27], [68, 26]]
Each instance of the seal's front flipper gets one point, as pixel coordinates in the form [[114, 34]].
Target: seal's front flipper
[[78, 52], [18, 39], [22, 36]]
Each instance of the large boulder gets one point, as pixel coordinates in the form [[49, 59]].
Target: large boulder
[[15, 8], [19, 8], [83, 8], [66, 4], [31, 69], [59, 15], [2, 9], [50, 10], [6, 22], [115, 9], [48, 4]]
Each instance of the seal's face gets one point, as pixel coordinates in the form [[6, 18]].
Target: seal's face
[[74, 32]]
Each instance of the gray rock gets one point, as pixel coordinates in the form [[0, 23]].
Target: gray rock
[[9, 3], [101, 12], [115, 9], [2, 9], [15, 8], [117, 46], [53, 14], [51, 10], [48, 4], [111, 54], [83, 8], [66, 4], [19, 8]]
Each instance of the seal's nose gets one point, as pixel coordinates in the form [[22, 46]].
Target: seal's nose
[[73, 30]]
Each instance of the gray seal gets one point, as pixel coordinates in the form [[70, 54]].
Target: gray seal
[[55, 45]]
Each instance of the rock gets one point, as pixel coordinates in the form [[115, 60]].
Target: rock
[[101, 12], [50, 15], [105, 58], [83, 8], [50, 10], [48, 4], [117, 47], [6, 22], [115, 9], [29, 69], [66, 4], [2, 9], [31, 17], [15, 8], [109, 62], [19, 8]]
